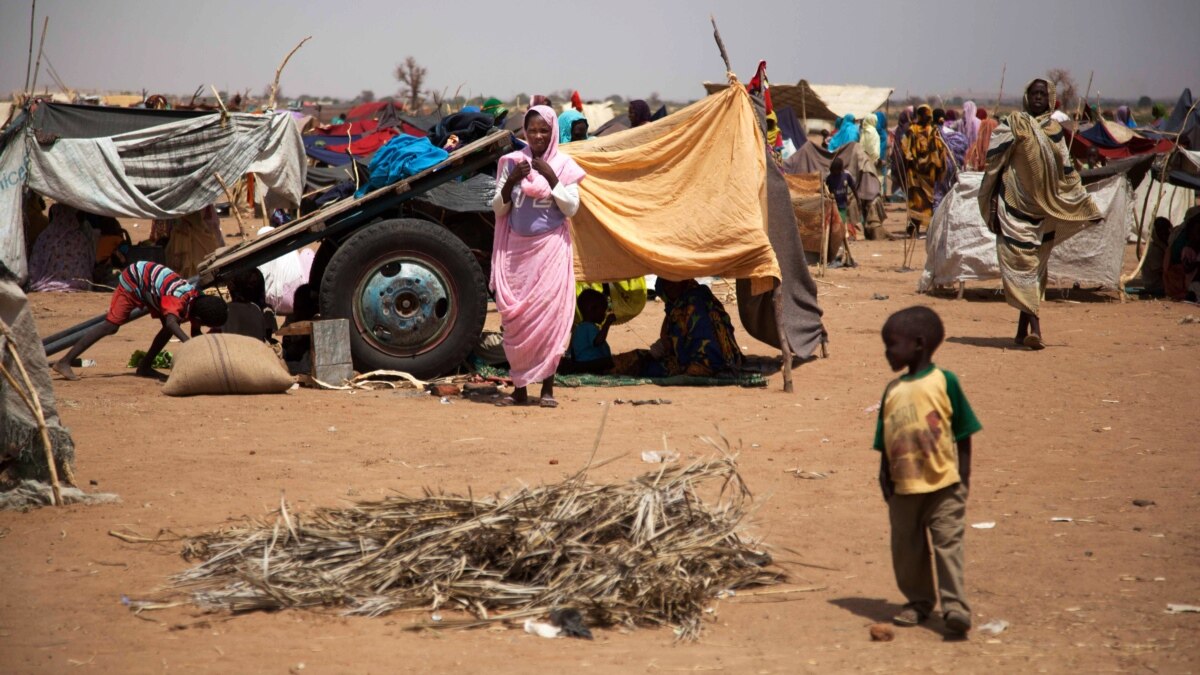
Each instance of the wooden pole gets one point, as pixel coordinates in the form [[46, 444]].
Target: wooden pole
[[824, 233], [784, 345], [262, 203], [721, 46], [804, 110], [38, 65], [35, 406], [1000, 96], [1142, 220], [279, 71], [233, 207], [29, 59], [224, 110], [1079, 114]]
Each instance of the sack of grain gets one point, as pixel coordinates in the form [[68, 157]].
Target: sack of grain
[[226, 364]]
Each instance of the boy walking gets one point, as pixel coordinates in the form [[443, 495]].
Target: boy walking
[[924, 437], [168, 297]]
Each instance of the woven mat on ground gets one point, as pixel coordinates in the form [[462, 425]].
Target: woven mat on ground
[[572, 381]]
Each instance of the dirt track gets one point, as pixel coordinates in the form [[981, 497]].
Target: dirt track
[[1104, 416]]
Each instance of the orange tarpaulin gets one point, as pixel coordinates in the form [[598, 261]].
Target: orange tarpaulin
[[682, 197]]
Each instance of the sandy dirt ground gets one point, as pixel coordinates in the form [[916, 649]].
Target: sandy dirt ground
[[1105, 415]]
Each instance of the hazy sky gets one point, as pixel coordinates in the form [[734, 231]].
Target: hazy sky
[[631, 48]]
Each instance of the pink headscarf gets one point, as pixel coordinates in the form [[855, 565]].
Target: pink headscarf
[[568, 172]]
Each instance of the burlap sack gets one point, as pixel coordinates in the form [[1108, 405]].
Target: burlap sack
[[226, 364]]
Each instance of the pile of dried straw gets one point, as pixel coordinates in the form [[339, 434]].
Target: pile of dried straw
[[647, 552]]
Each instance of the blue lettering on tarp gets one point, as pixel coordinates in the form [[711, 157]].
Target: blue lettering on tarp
[[13, 179]]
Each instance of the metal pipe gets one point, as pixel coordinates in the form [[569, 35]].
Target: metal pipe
[[65, 339]]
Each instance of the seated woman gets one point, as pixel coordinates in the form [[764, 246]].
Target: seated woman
[[64, 255], [697, 336], [1181, 263]]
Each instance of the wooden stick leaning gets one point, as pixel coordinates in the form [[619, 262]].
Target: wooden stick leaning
[[279, 71], [1000, 96], [721, 46], [784, 345], [824, 234], [1079, 115], [38, 65], [29, 59], [262, 203], [35, 406], [1142, 220], [233, 207]]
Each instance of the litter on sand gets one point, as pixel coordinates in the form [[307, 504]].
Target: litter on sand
[[657, 457], [1061, 519], [985, 525], [993, 627], [647, 552], [1182, 609], [643, 401], [541, 629]]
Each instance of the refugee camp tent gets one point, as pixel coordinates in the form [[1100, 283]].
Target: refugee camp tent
[[129, 162], [959, 246], [1180, 125], [1112, 141], [683, 197], [826, 102], [618, 123], [597, 114]]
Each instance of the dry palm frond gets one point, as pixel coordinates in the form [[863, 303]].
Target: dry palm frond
[[647, 552]]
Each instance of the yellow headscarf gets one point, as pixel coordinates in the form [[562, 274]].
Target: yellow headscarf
[[772, 129]]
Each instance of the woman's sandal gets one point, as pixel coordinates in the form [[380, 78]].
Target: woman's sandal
[[509, 401], [548, 402], [1034, 342]]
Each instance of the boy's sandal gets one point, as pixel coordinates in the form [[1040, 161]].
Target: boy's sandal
[[957, 623], [1034, 341], [548, 402], [909, 616]]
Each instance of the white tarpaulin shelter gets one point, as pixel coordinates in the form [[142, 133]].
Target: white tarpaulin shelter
[[827, 102], [1173, 205], [596, 113], [139, 163], [851, 99], [959, 246]]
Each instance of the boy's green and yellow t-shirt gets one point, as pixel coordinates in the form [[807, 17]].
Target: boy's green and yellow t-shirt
[[921, 418]]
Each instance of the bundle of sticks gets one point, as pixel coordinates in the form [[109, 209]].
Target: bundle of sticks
[[649, 552]]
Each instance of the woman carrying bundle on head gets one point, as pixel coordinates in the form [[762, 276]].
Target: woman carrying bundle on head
[[533, 276]]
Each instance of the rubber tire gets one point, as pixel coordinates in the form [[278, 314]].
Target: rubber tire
[[352, 258]]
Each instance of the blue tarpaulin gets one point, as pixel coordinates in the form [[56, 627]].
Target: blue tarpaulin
[[314, 146], [403, 156]]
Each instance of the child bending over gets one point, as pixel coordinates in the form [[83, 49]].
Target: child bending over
[[167, 296], [589, 351], [924, 437]]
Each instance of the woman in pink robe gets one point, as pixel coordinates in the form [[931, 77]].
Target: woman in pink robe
[[533, 277]]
